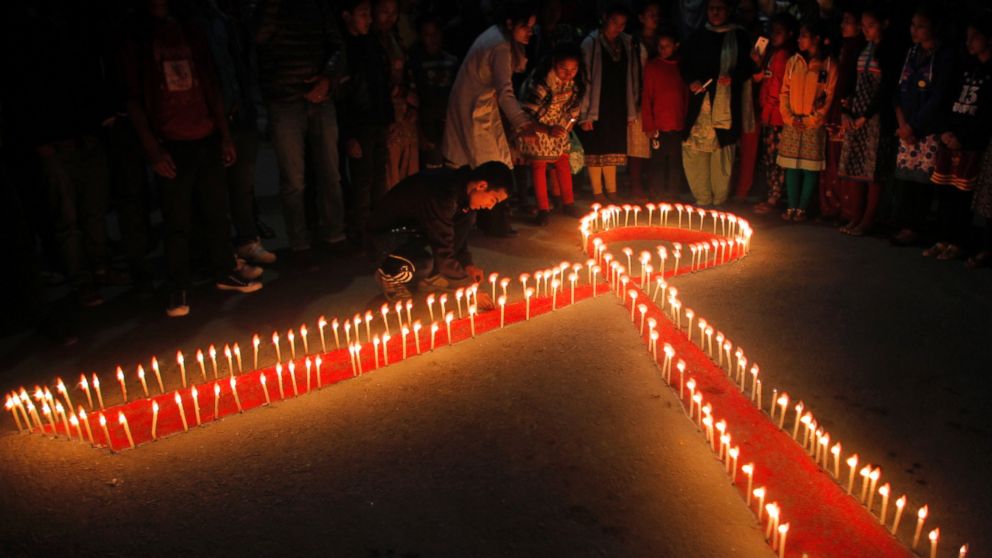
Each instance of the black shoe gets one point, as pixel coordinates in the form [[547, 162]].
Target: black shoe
[[264, 230], [178, 304], [542, 218], [233, 282]]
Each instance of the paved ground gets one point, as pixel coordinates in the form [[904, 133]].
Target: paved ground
[[892, 351]]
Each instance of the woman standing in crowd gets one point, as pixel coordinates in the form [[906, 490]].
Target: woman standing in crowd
[[483, 95], [964, 135], [868, 125], [715, 63], [782, 45], [552, 95], [806, 95], [852, 43], [922, 85], [663, 106], [609, 106], [638, 143]]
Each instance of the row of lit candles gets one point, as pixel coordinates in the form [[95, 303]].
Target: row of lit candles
[[815, 440]]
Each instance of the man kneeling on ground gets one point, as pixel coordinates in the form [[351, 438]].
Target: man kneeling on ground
[[434, 208]]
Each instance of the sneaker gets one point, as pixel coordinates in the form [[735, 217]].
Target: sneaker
[[392, 290], [254, 252], [178, 305], [246, 271], [233, 282]]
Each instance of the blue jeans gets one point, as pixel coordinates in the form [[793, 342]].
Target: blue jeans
[[298, 124]]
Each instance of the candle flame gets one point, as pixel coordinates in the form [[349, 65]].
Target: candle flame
[[934, 535], [121, 419], [922, 513], [103, 420], [748, 468]]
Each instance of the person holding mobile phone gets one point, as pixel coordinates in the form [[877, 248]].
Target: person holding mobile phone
[[782, 45]]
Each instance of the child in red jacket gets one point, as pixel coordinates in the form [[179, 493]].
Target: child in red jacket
[[782, 47], [663, 106]]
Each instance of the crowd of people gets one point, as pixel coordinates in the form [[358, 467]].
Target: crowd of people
[[870, 115]]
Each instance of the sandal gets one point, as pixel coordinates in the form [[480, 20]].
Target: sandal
[[857, 231], [952, 252], [979, 260], [935, 250], [788, 214], [799, 216]]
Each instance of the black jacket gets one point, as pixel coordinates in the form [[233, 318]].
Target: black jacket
[[365, 95], [435, 203]]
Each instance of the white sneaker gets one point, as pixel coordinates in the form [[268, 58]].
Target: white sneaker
[[246, 271], [254, 252]]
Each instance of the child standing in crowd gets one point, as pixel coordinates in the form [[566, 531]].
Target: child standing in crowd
[[716, 63], [552, 95], [807, 92], [663, 106], [852, 42], [609, 105], [922, 85], [432, 71], [965, 133], [638, 143], [868, 153], [781, 48]]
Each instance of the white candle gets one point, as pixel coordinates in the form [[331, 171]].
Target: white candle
[[317, 362], [921, 517], [783, 531], [404, 331], [852, 463], [409, 309], [493, 277], [385, 348], [442, 302], [529, 292], [471, 317], [934, 537], [369, 317], [748, 469], [234, 390], [158, 374], [127, 429], [321, 324], [416, 334], [237, 355], [292, 377], [154, 420], [430, 305], [884, 491], [199, 360], [303, 336], [86, 422], [196, 404], [120, 380], [874, 475], [255, 341], [399, 313], [60, 386], [106, 433], [759, 493], [447, 323], [434, 328], [182, 412], [213, 358], [86, 388], [900, 505], [502, 311], [337, 338], [265, 388], [503, 284], [375, 349], [141, 376], [282, 394], [275, 343], [835, 451]]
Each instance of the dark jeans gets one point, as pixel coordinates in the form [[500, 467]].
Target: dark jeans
[[298, 126], [198, 189], [403, 254], [129, 183], [953, 215], [367, 176], [914, 203], [78, 186], [241, 182], [666, 175]]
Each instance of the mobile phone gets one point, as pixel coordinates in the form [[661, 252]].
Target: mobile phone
[[704, 86], [760, 45]]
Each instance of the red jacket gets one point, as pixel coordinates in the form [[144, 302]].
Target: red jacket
[[771, 85], [665, 98]]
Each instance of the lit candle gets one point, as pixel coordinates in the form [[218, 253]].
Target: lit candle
[[275, 343], [158, 375], [771, 530], [106, 433], [234, 390], [385, 348], [783, 402], [416, 334], [798, 421], [434, 328], [399, 313], [633, 303], [680, 365], [292, 377], [213, 359], [75, 422], [154, 420], [127, 429], [60, 410], [141, 376], [321, 324], [255, 341], [759, 493], [471, 318], [13, 411], [265, 388], [874, 475], [368, 325], [493, 277], [783, 531], [120, 379], [282, 394], [852, 462], [442, 302], [528, 292], [334, 329], [503, 284], [900, 505], [291, 337], [358, 358], [375, 349], [748, 469], [317, 362], [196, 404], [921, 517], [835, 451], [347, 332], [447, 323], [934, 537], [309, 366], [303, 336], [865, 479], [884, 491], [182, 411], [572, 278], [203, 368], [86, 389], [86, 422], [430, 305], [60, 386], [357, 322], [48, 412], [237, 355], [963, 551], [732, 463]]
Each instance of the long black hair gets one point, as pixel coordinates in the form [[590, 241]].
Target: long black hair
[[563, 51]]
